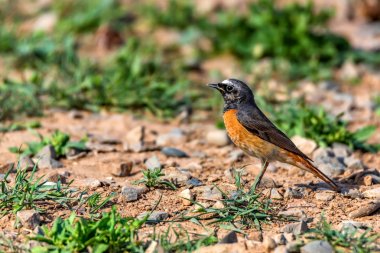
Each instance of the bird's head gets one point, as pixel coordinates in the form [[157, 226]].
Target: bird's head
[[234, 92]]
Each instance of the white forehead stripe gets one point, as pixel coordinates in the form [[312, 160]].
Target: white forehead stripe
[[226, 81]]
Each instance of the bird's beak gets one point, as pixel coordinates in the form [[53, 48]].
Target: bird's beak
[[215, 86]]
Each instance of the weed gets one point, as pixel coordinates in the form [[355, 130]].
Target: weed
[[246, 208], [95, 202], [28, 192], [111, 233], [151, 178], [179, 240], [20, 126], [59, 140], [296, 118], [345, 239]]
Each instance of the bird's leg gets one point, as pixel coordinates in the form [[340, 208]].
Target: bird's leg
[[264, 165]]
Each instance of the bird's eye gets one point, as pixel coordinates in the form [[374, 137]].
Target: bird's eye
[[229, 88]]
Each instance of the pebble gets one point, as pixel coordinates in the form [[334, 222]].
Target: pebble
[[91, 182], [2, 176], [333, 168], [269, 243], [211, 193], [218, 138], [134, 140], [365, 210], [352, 193], [291, 193], [49, 163], [102, 148], [122, 170], [218, 205], [74, 154], [341, 150], [306, 145], [153, 163], [194, 182], [352, 225], [154, 217], [275, 194], [131, 193], [324, 196], [46, 152], [353, 163], [175, 136], [279, 239], [177, 177], [186, 196], [367, 180], [295, 228], [173, 152], [29, 218], [231, 237], [26, 163], [373, 193], [317, 246]]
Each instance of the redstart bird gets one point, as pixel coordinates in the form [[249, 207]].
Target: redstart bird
[[256, 135]]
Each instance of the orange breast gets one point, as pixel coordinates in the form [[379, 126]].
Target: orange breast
[[247, 141]]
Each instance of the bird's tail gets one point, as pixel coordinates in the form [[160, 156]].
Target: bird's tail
[[306, 165]]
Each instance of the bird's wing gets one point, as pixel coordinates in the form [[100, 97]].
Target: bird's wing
[[258, 124]]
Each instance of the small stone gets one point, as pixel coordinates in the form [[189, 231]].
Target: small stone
[[296, 228], [211, 193], [341, 150], [154, 217], [317, 246], [269, 243], [324, 196], [131, 193], [280, 239], [291, 193], [134, 140], [365, 210], [373, 193], [187, 197], [194, 182], [123, 169], [280, 249], [26, 163], [101, 148], [352, 193], [231, 237], [332, 169], [153, 163], [353, 164], [2, 176], [306, 145], [322, 155], [49, 163], [74, 153], [54, 176], [173, 152], [46, 152], [275, 194], [367, 180], [29, 218], [218, 205], [353, 225], [91, 182], [293, 213], [218, 138], [175, 136]]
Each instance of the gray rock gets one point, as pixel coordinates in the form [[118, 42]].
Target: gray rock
[[280, 239], [353, 225], [218, 138], [293, 247], [123, 169], [296, 228], [29, 218], [231, 237], [131, 193], [194, 182], [134, 140], [187, 196], [154, 217], [341, 150], [176, 136], [26, 163], [153, 163], [365, 209], [324, 196], [306, 145], [46, 152], [317, 246], [352, 193], [322, 155], [275, 194], [91, 182], [211, 193], [49, 163], [353, 163], [291, 193], [173, 152], [102, 148], [373, 193], [332, 169]]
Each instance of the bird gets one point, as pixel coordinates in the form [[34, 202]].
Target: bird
[[250, 130]]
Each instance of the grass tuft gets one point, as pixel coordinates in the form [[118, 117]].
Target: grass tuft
[[152, 179]]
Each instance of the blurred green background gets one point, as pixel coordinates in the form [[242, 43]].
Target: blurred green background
[[155, 57]]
